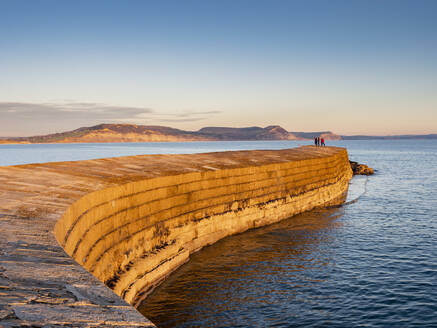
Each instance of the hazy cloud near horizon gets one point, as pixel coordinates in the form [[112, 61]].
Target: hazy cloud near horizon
[[68, 110], [24, 119]]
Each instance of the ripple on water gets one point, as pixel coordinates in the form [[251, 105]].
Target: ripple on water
[[371, 263]]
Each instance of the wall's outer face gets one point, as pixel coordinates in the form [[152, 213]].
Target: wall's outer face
[[132, 227]]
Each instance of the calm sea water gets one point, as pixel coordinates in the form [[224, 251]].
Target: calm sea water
[[371, 263], [41, 153]]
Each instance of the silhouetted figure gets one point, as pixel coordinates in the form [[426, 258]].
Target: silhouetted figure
[[322, 142], [315, 141]]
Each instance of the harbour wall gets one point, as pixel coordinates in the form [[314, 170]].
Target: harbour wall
[[136, 219]]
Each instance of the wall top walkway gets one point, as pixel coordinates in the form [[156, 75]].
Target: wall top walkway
[[39, 283]]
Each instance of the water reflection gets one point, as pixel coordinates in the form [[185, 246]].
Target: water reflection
[[249, 273]]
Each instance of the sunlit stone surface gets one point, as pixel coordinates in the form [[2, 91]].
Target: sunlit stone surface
[[131, 221]]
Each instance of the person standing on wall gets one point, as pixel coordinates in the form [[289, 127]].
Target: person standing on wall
[[322, 142], [315, 141]]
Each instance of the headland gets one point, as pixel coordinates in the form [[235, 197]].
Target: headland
[[154, 133]]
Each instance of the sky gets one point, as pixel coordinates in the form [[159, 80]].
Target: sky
[[352, 67]]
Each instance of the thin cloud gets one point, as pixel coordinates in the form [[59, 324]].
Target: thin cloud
[[25, 119], [182, 119], [190, 114], [96, 111], [90, 111]]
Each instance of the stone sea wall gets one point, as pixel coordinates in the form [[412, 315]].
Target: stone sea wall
[[134, 220]]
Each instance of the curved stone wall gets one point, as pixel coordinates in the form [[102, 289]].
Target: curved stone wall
[[131, 221], [131, 236]]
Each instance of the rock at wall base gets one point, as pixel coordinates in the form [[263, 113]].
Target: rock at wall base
[[360, 169]]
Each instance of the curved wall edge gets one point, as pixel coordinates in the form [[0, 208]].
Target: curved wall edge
[[134, 235], [131, 221]]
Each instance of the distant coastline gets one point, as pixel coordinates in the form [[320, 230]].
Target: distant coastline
[[143, 133], [152, 133], [392, 137]]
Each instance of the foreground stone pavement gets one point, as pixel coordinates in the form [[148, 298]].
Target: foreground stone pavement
[[40, 284]]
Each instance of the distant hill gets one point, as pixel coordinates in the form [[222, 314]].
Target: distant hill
[[394, 137], [150, 133], [116, 133], [273, 132], [328, 135]]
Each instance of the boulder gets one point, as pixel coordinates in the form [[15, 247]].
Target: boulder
[[360, 169]]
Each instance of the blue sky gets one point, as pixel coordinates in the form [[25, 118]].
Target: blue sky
[[352, 67]]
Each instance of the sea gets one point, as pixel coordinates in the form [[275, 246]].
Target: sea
[[369, 263]]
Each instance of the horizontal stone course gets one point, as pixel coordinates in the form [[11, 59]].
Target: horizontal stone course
[[155, 192], [184, 205], [189, 185], [171, 214]]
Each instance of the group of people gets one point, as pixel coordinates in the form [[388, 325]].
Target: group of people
[[319, 141]]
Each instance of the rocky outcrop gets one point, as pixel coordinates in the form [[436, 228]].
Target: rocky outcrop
[[360, 169], [67, 229]]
